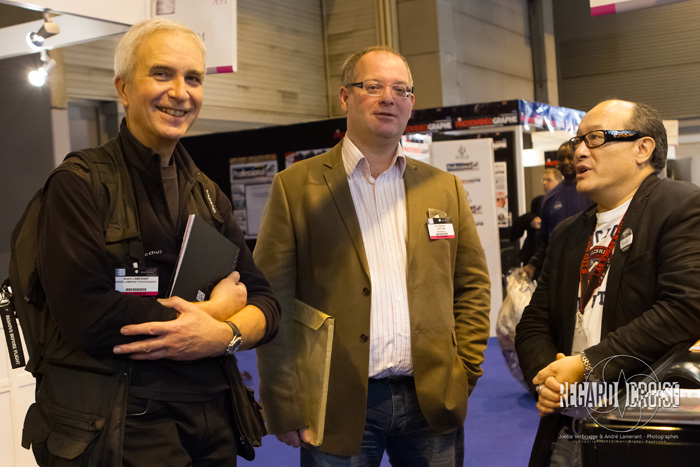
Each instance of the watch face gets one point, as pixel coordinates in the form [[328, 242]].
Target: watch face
[[234, 345], [236, 341]]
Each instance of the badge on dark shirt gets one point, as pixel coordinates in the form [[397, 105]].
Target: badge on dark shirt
[[136, 281]]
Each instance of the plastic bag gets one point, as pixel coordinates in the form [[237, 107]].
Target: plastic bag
[[519, 289]]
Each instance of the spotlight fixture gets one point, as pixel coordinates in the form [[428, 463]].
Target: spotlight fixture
[[48, 29], [38, 77]]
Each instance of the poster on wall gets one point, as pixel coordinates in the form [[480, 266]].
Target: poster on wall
[[500, 180], [251, 179], [297, 156], [504, 150], [417, 146], [214, 21], [472, 162]]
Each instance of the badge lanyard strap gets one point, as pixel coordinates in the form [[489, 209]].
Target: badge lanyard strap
[[598, 272]]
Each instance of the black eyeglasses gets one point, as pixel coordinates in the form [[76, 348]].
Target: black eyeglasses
[[376, 88], [596, 138]]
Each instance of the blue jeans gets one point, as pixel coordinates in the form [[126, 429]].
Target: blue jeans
[[566, 450], [395, 424]]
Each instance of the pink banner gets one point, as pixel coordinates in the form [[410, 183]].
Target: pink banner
[[609, 8], [603, 10]]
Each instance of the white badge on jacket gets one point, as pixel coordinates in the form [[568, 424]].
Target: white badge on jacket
[[136, 281], [439, 225]]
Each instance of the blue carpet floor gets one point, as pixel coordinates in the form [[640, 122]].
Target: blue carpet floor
[[499, 431]]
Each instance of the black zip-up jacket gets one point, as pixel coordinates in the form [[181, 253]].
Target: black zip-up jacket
[[81, 378]]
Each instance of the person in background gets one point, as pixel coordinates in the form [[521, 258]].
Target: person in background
[[353, 233], [561, 202], [616, 278], [127, 379], [551, 177], [530, 221]]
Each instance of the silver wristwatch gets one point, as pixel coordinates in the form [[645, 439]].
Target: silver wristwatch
[[235, 342]]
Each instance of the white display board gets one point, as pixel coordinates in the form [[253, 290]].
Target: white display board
[[472, 162], [17, 388], [214, 21], [251, 180]]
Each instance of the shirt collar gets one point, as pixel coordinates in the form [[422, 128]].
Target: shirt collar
[[353, 159], [143, 159]]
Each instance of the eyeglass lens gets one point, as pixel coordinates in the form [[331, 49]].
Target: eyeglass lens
[[375, 88]]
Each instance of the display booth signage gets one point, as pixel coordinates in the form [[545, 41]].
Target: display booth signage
[[495, 115], [518, 112], [608, 7]]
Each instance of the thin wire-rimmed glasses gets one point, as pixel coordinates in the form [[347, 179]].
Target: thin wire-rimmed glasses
[[596, 138], [376, 88]]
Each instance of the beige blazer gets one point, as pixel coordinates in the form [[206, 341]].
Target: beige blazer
[[310, 249]]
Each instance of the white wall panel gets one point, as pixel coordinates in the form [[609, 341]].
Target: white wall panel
[[482, 47], [492, 47], [349, 26], [483, 85], [16, 394], [510, 15], [7, 439], [281, 67], [648, 55]]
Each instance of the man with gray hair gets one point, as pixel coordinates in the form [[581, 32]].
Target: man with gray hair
[[126, 379], [387, 248], [619, 279]]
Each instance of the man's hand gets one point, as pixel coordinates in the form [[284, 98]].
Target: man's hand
[[564, 369], [536, 223], [227, 298], [548, 400], [193, 335], [550, 378], [529, 270], [295, 438]]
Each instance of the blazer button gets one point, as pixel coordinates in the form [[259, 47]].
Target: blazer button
[[365, 291], [363, 337]]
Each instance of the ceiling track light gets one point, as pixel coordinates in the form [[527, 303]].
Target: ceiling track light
[[48, 29], [38, 77]]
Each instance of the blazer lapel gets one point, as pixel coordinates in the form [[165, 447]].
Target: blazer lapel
[[415, 215], [337, 181], [619, 257]]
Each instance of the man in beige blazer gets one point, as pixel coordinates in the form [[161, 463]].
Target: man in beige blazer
[[346, 239]]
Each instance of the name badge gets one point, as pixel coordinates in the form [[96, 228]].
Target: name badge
[[626, 240], [440, 227], [136, 281]]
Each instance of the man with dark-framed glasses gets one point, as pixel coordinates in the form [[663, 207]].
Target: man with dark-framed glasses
[[616, 277], [377, 88], [386, 247]]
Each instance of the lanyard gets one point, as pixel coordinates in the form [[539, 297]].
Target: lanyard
[[587, 287]]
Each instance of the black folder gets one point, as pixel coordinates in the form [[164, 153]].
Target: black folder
[[206, 257]]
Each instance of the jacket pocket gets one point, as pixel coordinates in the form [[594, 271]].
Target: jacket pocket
[[64, 433]]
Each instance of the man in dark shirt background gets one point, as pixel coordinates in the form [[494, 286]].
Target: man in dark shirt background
[[531, 221], [562, 202]]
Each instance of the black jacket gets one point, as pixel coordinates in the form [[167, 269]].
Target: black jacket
[[81, 384], [652, 297]]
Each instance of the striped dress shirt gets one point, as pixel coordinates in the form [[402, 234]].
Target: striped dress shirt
[[380, 205]]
